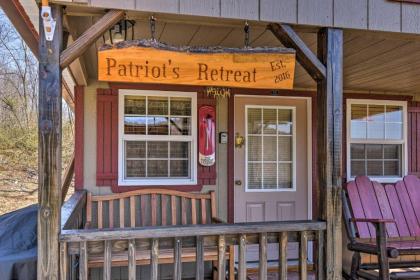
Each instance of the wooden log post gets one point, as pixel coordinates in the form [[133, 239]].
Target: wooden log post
[[329, 135], [49, 149]]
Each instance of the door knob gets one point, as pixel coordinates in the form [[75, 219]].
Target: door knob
[[238, 182]]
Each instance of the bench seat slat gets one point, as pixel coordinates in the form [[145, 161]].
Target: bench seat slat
[[385, 209], [397, 210], [356, 207], [412, 184], [407, 208], [369, 202]]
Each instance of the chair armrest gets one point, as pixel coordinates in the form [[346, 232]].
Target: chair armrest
[[371, 249], [217, 220], [373, 221]]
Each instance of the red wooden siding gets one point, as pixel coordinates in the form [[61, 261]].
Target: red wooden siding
[[414, 138], [107, 137], [107, 145], [79, 143]]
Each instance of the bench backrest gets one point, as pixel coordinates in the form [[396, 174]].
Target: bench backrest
[[372, 200], [150, 207]]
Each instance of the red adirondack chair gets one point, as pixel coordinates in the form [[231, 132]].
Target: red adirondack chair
[[383, 221]]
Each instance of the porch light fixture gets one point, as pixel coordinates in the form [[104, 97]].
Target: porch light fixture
[[239, 141], [120, 31]]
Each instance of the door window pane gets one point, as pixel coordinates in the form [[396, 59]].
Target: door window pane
[[254, 121], [269, 148]]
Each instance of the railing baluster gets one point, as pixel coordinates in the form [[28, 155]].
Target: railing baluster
[[107, 260], [153, 210], [221, 267], [132, 259], [83, 261], [100, 215], [263, 256], [242, 258], [283, 256], [199, 268], [177, 258], [64, 261], [184, 210], [193, 211], [303, 255], [111, 213], [164, 207], [132, 211], [320, 257], [122, 213], [154, 252], [203, 211], [173, 209]]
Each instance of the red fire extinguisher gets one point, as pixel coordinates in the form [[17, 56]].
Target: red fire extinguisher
[[207, 135]]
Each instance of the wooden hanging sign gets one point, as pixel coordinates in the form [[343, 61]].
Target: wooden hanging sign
[[152, 62]]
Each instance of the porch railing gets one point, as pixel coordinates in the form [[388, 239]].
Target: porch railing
[[81, 244]]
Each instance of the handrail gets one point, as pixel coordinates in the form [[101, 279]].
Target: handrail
[[189, 230], [72, 209]]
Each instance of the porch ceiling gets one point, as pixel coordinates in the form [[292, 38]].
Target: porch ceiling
[[373, 61]]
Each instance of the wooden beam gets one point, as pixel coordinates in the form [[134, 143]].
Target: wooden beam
[[329, 135], [82, 43], [290, 39], [49, 150], [68, 176]]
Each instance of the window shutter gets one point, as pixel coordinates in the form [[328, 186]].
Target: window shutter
[[107, 137], [413, 138]]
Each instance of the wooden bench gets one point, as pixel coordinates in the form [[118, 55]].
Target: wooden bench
[[153, 207], [383, 221]]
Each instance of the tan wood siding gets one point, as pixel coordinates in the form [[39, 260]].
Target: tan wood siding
[[351, 14], [384, 15], [199, 7], [286, 10], [381, 15], [164, 6], [243, 9], [315, 12]]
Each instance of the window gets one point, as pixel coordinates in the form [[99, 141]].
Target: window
[[157, 138], [270, 148], [376, 139]]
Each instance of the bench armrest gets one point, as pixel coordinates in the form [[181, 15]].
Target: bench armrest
[[371, 249], [373, 221]]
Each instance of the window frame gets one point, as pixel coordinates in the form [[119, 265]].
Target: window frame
[[293, 136], [403, 142], [122, 137]]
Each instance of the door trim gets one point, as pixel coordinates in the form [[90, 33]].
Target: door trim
[[231, 148]]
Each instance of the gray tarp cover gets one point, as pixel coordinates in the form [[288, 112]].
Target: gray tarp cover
[[18, 251]]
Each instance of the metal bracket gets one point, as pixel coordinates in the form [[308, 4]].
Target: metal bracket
[[49, 22]]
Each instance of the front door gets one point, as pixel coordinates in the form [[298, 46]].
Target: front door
[[272, 166]]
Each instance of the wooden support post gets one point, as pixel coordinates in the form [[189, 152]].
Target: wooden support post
[[49, 149], [329, 135]]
